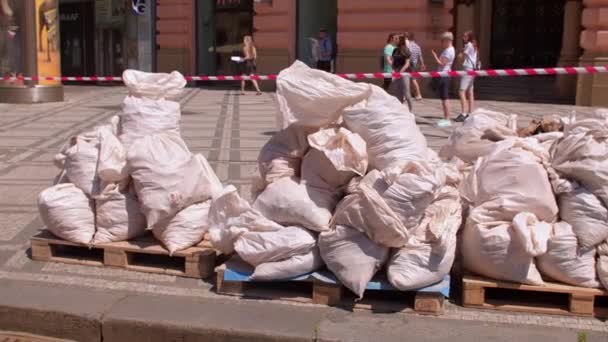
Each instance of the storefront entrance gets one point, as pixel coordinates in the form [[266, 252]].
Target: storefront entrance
[[77, 39], [221, 26], [312, 16]]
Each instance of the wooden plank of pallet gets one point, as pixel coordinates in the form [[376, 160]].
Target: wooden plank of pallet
[[580, 300], [315, 288], [144, 255]]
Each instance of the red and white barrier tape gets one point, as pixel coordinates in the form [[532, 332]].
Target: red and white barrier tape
[[357, 76]]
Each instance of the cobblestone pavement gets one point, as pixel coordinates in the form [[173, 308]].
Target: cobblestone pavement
[[227, 128]]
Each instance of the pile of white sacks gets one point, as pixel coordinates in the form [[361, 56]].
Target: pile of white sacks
[[348, 182], [538, 205], [132, 175]]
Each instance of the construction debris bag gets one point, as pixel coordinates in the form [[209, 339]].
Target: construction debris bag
[[582, 154], [81, 163], [231, 216], [352, 257], [282, 155], [505, 250], [566, 261], [478, 134], [118, 216], [428, 256], [153, 85], [167, 177], [112, 164], [336, 156], [184, 230], [314, 98], [68, 213], [602, 264], [142, 116], [291, 203], [257, 248], [388, 128], [289, 268], [586, 214]]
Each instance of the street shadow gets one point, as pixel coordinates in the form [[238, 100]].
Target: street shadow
[[269, 133]]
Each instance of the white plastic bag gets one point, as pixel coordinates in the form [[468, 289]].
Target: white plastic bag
[[315, 98], [477, 135], [112, 165], [142, 116], [68, 213], [231, 216], [505, 250], [118, 216], [565, 261], [288, 202], [602, 264], [586, 214], [288, 268], [352, 257], [282, 155], [388, 128], [257, 248], [81, 163], [167, 177], [184, 230], [153, 85], [428, 257]]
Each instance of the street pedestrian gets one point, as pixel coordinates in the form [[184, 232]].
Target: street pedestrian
[[466, 91], [442, 84], [400, 87], [325, 51], [250, 60], [416, 62], [387, 58]]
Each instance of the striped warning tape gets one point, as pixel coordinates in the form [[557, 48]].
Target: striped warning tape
[[357, 76]]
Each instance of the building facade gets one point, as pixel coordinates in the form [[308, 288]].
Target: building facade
[[198, 36]]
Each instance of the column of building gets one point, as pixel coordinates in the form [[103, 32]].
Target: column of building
[[592, 89], [570, 46], [175, 38], [274, 33]]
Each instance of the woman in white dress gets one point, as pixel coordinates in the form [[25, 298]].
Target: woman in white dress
[[470, 61]]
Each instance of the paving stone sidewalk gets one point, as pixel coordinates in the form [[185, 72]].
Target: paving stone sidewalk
[[227, 128]]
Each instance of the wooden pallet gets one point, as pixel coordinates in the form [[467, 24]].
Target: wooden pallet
[[551, 298], [143, 254], [233, 278]]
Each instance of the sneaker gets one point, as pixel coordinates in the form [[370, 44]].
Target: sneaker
[[418, 98], [444, 123], [461, 117]]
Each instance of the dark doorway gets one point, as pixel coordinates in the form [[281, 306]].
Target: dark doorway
[[312, 16], [77, 34], [526, 33], [221, 26]]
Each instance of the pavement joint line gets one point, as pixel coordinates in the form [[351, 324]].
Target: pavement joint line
[[226, 139]]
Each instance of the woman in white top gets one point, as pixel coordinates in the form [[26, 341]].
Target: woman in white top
[[442, 84], [469, 56]]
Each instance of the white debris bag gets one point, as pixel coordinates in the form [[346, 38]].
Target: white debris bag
[[566, 261], [231, 216], [186, 229], [352, 257], [582, 155], [289, 202], [142, 116], [428, 257], [478, 134], [311, 97], [505, 250], [153, 85], [289, 268], [586, 214], [282, 155], [112, 164], [81, 163], [602, 264], [388, 128], [68, 213], [257, 248], [118, 216], [167, 177], [335, 157]]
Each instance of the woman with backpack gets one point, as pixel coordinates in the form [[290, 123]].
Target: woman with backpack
[[401, 63], [470, 57]]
